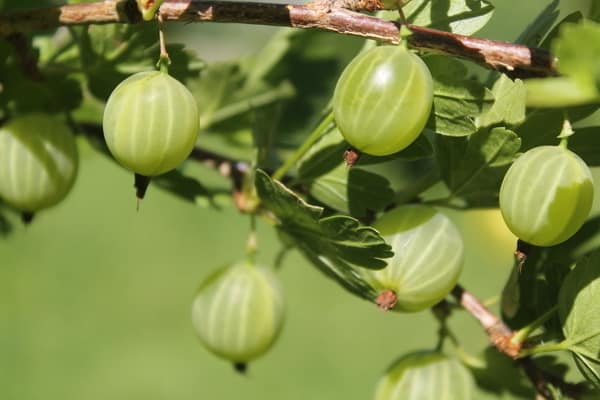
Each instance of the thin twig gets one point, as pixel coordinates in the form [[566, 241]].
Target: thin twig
[[499, 333], [516, 59]]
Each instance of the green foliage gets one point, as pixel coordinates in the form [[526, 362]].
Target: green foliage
[[579, 316], [457, 98], [335, 244], [257, 111], [473, 168], [459, 16]]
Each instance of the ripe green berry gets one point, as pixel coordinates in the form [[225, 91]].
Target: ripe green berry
[[383, 100], [546, 195], [238, 312], [427, 261], [151, 123], [38, 161], [426, 375]]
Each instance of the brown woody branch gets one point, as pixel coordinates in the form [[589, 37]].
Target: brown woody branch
[[515, 59]]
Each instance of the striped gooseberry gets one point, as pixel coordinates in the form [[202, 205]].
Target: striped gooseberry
[[150, 123], [383, 99], [546, 195], [426, 375], [38, 161], [427, 261], [238, 312]]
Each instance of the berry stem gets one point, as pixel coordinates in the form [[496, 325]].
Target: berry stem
[[543, 348], [252, 242], [301, 151], [522, 334], [164, 61]]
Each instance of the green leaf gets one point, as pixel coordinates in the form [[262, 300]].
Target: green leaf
[[339, 243], [457, 100], [109, 53], [578, 51], [535, 31], [574, 17], [272, 98], [578, 307], [542, 126], [586, 143], [473, 169], [509, 103], [52, 92], [464, 17], [323, 156], [532, 289], [354, 191]]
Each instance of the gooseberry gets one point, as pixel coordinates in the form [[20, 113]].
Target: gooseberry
[[38, 161], [427, 261], [383, 99], [426, 375], [151, 123], [238, 312], [546, 195]]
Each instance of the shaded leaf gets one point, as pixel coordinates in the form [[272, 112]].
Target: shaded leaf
[[354, 191], [323, 156], [459, 16], [473, 168], [339, 242], [502, 375], [542, 126], [586, 144], [537, 29], [574, 17]]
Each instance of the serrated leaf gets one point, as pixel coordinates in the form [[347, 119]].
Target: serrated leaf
[[578, 310], [339, 242], [457, 100], [473, 169], [464, 17], [509, 103], [589, 368]]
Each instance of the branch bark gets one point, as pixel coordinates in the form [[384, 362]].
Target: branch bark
[[517, 60]]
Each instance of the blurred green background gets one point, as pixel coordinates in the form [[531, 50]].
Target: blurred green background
[[95, 297]]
